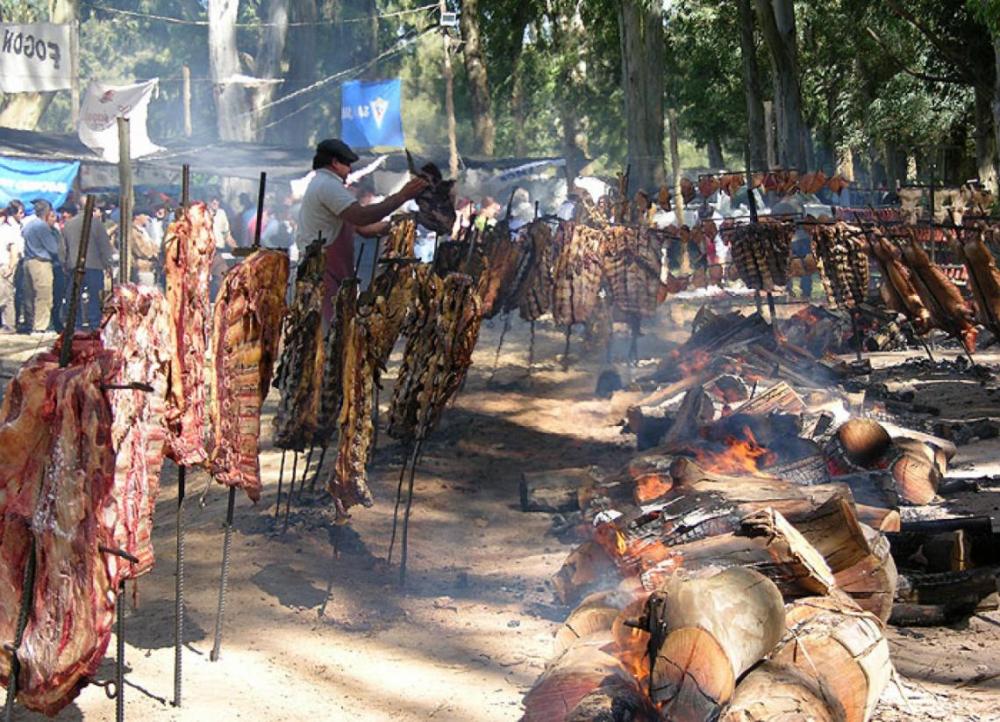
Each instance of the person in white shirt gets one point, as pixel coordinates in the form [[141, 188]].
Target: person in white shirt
[[11, 250], [329, 210]]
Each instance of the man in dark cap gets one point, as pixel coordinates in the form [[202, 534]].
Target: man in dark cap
[[331, 210]]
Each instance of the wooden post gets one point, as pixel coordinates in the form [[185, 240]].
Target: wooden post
[[124, 198], [449, 97], [74, 88], [186, 95], [772, 150], [675, 163]]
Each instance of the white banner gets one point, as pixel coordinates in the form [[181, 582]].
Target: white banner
[[101, 107], [35, 57]]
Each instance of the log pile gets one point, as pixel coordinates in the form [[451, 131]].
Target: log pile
[[745, 568]]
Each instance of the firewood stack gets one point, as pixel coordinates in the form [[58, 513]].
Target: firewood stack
[[842, 263], [761, 253], [744, 569]]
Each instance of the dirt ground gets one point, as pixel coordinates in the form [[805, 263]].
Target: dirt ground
[[317, 627]]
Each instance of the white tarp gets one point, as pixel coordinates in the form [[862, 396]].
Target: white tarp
[[103, 104], [35, 57]]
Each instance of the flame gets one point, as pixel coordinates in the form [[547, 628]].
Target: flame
[[631, 643], [620, 543], [694, 362], [652, 486], [741, 456]]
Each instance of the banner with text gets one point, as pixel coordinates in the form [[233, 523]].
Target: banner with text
[[28, 180], [371, 114], [35, 57], [99, 112]]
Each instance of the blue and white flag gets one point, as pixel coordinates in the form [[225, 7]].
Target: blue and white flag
[[29, 180], [371, 114]]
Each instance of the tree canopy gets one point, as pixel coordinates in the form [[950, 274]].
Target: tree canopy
[[887, 86]]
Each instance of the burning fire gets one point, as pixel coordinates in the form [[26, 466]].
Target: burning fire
[[694, 363], [741, 456]]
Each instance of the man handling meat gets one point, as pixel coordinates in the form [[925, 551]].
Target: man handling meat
[[330, 209]]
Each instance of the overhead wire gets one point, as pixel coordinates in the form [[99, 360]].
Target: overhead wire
[[205, 23]]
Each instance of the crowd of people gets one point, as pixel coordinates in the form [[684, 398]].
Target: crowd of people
[[39, 246]]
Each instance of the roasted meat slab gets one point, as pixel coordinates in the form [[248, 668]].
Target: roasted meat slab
[[246, 329], [188, 250], [300, 373], [137, 327], [56, 497], [577, 273]]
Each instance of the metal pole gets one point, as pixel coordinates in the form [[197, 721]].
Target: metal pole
[[185, 186], [27, 593], [281, 479], [120, 661], [291, 488], [260, 213], [227, 545], [179, 587], [78, 273]]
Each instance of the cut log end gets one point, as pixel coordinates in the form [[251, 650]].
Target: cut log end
[[692, 677]]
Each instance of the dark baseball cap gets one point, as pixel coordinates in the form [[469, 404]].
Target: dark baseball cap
[[336, 149]]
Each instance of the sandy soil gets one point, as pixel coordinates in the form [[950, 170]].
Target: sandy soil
[[318, 629]]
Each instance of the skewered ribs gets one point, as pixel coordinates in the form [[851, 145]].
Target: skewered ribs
[[535, 294], [189, 248], [137, 326], [439, 347], [246, 330], [761, 252], [842, 262], [56, 502], [299, 373], [576, 273], [632, 267]]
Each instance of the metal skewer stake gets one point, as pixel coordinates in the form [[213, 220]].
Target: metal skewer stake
[[319, 467], [291, 488], [305, 471], [227, 545], [179, 520], [281, 478]]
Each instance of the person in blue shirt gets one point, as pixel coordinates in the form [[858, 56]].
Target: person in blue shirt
[[41, 256]]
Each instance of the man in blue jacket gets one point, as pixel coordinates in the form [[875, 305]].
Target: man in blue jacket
[[41, 255]]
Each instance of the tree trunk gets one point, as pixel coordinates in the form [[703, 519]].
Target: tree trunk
[[769, 139], [232, 106], [751, 85], [986, 147], [642, 49], [715, 158], [296, 129], [777, 20], [479, 86], [716, 629], [25, 110], [270, 52]]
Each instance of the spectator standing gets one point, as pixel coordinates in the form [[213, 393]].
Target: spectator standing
[[144, 251], [224, 244], [61, 271], [100, 258], [11, 250], [41, 256]]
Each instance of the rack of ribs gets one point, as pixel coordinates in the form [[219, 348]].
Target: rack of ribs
[[246, 329]]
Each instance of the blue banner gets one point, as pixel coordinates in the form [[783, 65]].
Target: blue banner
[[371, 114], [29, 180]]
